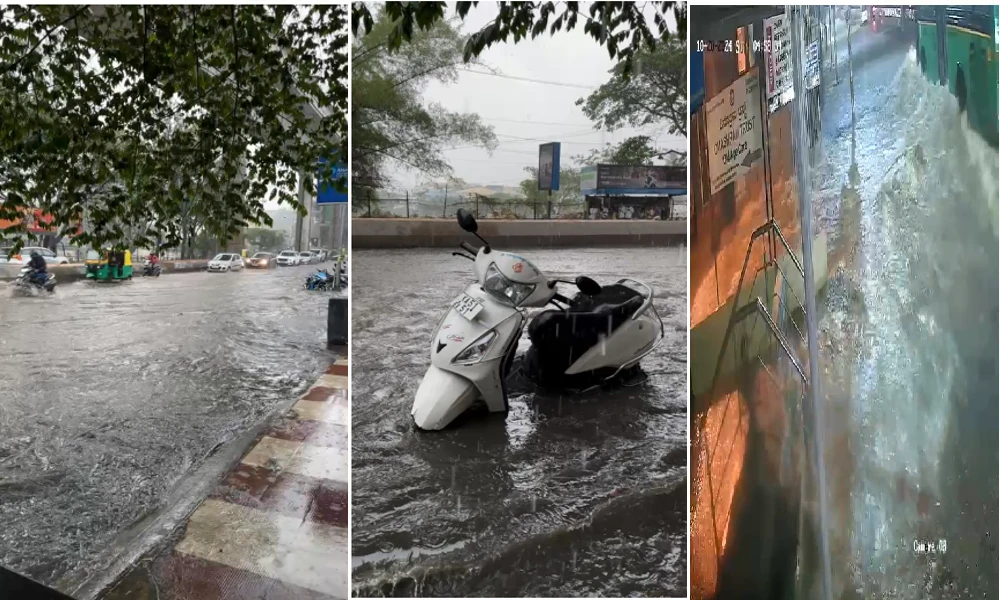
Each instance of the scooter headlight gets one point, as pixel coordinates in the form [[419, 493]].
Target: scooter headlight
[[476, 350], [504, 289]]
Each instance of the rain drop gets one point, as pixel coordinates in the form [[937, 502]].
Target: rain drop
[[534, 504], [453, 477]]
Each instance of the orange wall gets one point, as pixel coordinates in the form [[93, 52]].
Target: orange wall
[[722, 223]]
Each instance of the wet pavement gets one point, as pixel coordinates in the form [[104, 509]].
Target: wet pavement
[[572, 496], [114, 393], [275, 528], [908, 333]]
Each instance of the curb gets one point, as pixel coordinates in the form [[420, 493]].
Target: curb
[[275, 526]]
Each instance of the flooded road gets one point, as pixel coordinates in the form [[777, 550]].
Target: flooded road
[[110, 394], [574, 496], [908, 332]]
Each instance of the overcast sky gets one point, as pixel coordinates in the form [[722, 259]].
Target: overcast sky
[[523, 109]]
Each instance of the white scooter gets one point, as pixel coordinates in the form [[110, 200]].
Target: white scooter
[[596, 336]]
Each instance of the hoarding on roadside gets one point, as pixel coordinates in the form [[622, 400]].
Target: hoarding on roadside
[[734, 130], [641, 179], [548, 166]]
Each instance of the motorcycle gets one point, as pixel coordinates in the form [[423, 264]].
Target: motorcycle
[[151, 269], [320, 280], [26, 284], [595, 338]]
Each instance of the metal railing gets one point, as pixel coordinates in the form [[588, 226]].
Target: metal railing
[[780, 361], [516, 208]]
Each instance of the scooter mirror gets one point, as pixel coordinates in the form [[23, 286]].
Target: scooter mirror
[[466, 221], [588, 286]]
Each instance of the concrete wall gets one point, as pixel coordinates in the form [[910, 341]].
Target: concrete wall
[[421, 233]]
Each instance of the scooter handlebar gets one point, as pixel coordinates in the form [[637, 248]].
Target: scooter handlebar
[[563, 299], [469, 248]]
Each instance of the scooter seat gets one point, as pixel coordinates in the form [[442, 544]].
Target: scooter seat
[[588, 319]]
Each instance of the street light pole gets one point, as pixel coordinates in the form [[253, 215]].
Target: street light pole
[[805, 212]]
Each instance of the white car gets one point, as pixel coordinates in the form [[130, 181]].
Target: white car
[[226, 262], [322, 254], [288, 258], [24, 255], [308, 258]]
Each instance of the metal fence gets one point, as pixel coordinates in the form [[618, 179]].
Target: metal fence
[[487, 208]]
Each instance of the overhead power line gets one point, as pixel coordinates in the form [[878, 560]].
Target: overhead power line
[[530, 80]]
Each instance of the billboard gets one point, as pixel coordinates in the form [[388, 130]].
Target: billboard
[[734, 131], [548, 166], [328, 194], [632, 179]]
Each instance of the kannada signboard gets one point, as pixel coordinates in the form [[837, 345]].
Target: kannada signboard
[[733, 123], [812, 65], [778, 62], [651, 179]]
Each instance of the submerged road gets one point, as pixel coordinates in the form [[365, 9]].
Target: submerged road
[[573, 496], [909, 329], [110, 394]]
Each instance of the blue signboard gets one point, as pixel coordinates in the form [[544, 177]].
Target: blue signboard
[[697, 80], [328, 194]]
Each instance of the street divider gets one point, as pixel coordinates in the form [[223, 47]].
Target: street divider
[[76, 272], [522, 233]]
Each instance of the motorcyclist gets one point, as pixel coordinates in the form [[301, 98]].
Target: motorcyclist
[[39, 269]]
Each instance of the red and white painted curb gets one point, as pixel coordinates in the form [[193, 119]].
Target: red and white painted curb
[[276, 525]]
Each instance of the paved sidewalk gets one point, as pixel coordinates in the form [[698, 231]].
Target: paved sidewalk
[[275, 528]]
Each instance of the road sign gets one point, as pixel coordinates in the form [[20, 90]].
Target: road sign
[[328, 194], [812, 65], [778, 62], [734, 130]]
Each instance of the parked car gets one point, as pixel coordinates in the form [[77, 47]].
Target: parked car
[[262, 260], [307, 258], [24, 255], [226, 262], [322, 254], [288, 258]]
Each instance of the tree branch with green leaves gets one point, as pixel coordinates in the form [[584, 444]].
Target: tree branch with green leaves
[[167, 115], [390, 123], [621, 27]]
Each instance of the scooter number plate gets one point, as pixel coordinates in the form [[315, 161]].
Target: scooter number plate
[[467, 306]]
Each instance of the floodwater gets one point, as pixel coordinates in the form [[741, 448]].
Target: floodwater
[[111, 393], [574, 496], [908, 333]]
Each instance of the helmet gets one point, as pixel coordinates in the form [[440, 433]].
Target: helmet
[[35, 254]]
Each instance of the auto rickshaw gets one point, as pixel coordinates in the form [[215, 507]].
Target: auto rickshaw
[[111, 265]]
